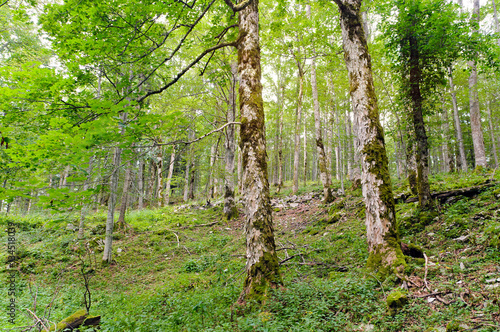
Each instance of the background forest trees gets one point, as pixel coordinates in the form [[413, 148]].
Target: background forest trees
[[131, 104]]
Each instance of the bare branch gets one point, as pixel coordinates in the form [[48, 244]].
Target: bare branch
[[201, 137], [182, 72]]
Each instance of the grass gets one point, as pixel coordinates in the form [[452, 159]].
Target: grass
[[172, 273]]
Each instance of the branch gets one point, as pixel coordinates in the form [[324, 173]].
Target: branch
[[199, 138], [182, 72], [238, 7]]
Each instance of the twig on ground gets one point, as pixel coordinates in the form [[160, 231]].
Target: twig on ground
[[425, 275]]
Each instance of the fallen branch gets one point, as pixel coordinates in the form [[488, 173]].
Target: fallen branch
[[430, 294], [300, 254], [202, 225], [443, 195], [425, 274]]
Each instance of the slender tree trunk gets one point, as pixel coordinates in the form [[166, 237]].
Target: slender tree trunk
[[230, 211], [348, 144], [159, 174], [422, 145], [262, 265], [113, 187], [83, 211], [325, 177], [456, 120], [280, 139], [169, 177], [382, 233], [298, 116], [447, 157], [211, 182], [305, 152], [475, 113], [140, 182], [495, 18], [492, 136], [120, 223], [152, 178]]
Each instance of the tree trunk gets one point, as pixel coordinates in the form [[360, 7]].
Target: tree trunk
[[322, 159], [492, 135], [140, 182], [120, 223], [447, 157], [495, 18], [298, 116], [456, 120], [159, 175], [83, 211], [385, 255], [211, 182], [230, 211], [113, 187], [305, 152], [262, 261], [169, 177], [475, 113], [422, 145], [281, 97]]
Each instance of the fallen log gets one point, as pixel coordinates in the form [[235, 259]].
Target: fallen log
[[442, 196]]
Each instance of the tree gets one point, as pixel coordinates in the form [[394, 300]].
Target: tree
[[424, 43], [475, 112], [381, 227], [262, 265]]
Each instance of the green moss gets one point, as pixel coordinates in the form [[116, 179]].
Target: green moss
[[70, 320], [379, 256], [262, 276], [453, 326], [396, 300]]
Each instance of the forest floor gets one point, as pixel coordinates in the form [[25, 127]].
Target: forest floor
[[181, 268]]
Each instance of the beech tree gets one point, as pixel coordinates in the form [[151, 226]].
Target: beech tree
[[386, 256], [262, 261]]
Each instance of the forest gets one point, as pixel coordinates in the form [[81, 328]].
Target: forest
[[223, 165]]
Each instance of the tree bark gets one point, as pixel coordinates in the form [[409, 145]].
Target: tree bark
[[140, 182], [169, 177], [325, 177], [262, 261], [422, 145], [159, 175], [447, 157], [475, 113], [456, 120], [495, 18], [281, 97], [125, 196], [305, 151], [385, 255], [298, 117], [492, 136], [113, 187], [230, 211]]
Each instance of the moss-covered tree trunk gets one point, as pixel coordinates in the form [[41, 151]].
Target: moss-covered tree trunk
[[475, 112], [422, 145], [382, 233], [324, 172], [230, 210], [262, 261]]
